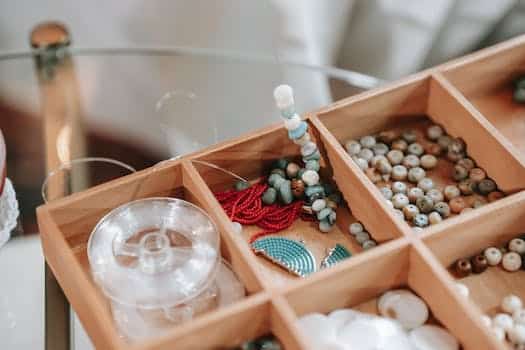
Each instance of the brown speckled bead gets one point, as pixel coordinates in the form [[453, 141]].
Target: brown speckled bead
[[457, 145], [433, 149], [463, 267], [443, 209], [479, 263], [387, 136], [454, 156], [467, 187], [457, 204], [400, 145], [486, 186], [466, 163], [495, 195], [459, 173], [444, 141], [297, 188], [477, 174]]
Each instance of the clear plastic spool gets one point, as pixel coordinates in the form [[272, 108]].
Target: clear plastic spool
[[154, 253]]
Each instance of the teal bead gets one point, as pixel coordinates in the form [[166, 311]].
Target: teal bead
[[311, 190], [300, 173], [285, 192], [298, 132], [241, 185], [312, 165], [269, 196], [278, 171], [278, 182], [324, 226], [324, 213], [281, 163], [314, 156], [519, 95], [272, 178], [336, 197]]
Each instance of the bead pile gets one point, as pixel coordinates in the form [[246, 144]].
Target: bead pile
[[400, 326], [511, 257], [362, 237], [398, 164], [519, 90], [510, 322]]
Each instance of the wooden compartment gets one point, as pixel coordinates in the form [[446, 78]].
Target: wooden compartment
[[416, 103], [398, 264], [251, 158], [486, 228], [485, 79]]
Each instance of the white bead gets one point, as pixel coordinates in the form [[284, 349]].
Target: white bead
[[519, 316], [414, 193], [293, 122], [517, 245], [462, 289], [283, 95], [237, 227], [361, 163], [302, 140], [376, 159], [400, 200], [366, 154], [499, 333], [503, 320], [511, 303], [352, 147], [318, 205], [434, 218], [398, 212], [390, 204], [310, 177], [493, 256], [355, 228], [399, 187], [362, 237], [430, 337], [426, 184], [404, 306], [517, 334], [487, 321], [434, 132], [367, 141], [511, 261], [308, 148]]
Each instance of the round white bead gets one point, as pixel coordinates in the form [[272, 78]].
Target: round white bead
[[400, 200], [462, 289], [499, 333], [355, 228], [390, 204], [352, 147], [426, 184], [310, 177], [434, 132], [503, 320], [398, 213], [293, 122], [519, 316], [511, 303], [399, 187], [308, 148], [318, 205], [367, 141], [429, 337], [406, 307], [414, 193], [516, 334], [511, 261], [517, 245], [493, 256], [283, 95], [366, 154], [361, 163], [487, 321]]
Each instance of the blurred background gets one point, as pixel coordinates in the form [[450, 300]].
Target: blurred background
[[151, 80]]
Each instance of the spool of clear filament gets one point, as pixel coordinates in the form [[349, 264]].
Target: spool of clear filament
[[158, 261]]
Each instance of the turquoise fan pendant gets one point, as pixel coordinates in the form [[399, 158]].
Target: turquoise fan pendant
[[335, 255], [287, 253]]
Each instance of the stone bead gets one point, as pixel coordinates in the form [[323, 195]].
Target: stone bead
[[366, 154], [376, 159], [400, 200], [411, 161], [476, 174], [331, 204], [297, 188], [467, 187], [457, 145], [314, 192], [459, 173], [314, 156], [318, 205], [367, 141], [493, 256], [380, 149], [517, 245], [373, 175], [454, 156], [410, 211], [519, 95], [426, 184], [362, 237], [399, 214], [434, 132], [384, 166], [495, 195], [325, 226], [425, 204], [416, 174], [292, 169], [503, 321], [457, 204], [278, 171], [400, 145], [511, 303], [434, 218], [281, 163], [444, 141], [399, 172], [399, 187], [368, 244], [241, 185], [466, 163], [355, 228], [285, 192], [428, 161], [435, 194], [269, 196], [433, 149], [511, 261], [463, 267], [486, 186], [420, 220], [332, 217], [323, 213], [479, 263], [300, 173], [479, 202], [302, 140], [310, 177], [415, 149], [516, 334], [395, 157], [352, 147], [293, 122], [519, 316], [312, 165], [451, 191], [361, 163], [277, 181], [387, 136], [386, 192], [409, 136], [298, 132], [414, 193], [443, 209], [308, 149]]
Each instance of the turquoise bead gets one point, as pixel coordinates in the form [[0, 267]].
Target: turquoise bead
[[324, 226], [324, 213], [281, 163], [285, 192], [241, 185], [314, 156], [278, 182], [269, 196], [278, 171], [298, 132], [312, 165], [288, 112], [311, 190], [272, 178]]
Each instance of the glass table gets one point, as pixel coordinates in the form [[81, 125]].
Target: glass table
[[138, 105]]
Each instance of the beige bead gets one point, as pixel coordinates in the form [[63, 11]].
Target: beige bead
[[493, 256], [400, 200], [477, 174], [511, 261], [411, 161], [517, 245], [457, 204], [416, 174], [414, 193], [511, 303], [436, 195], [503, 320], [400, 145], [395, 156], [451, 191], [428, 161], [434, 218], [399, 173], [410, 211]]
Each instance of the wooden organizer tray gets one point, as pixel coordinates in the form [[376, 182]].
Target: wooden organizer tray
[[275, 300]]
